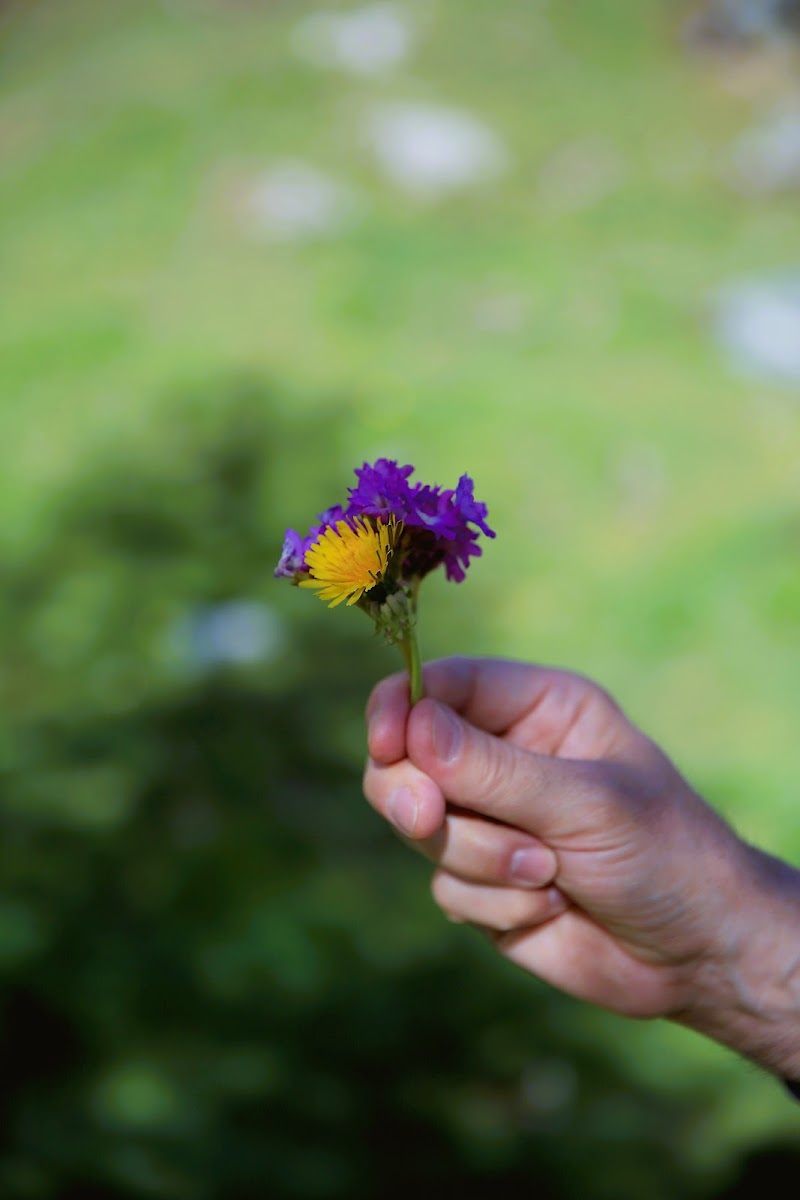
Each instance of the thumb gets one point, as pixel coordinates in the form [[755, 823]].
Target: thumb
[[489, 775]]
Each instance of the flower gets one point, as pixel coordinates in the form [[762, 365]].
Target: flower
[[295, 547], [382, 489], [374, 551], [292, 557], [350, 559]]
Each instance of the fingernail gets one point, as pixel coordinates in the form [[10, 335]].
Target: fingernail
[[402, 807], [446, 734], [531, 866]]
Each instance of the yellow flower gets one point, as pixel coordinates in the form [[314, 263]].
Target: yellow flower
[[347, 561]]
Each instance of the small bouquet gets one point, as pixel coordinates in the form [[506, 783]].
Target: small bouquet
[[375, 551]]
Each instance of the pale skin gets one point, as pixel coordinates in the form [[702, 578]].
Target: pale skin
[[567, 835]]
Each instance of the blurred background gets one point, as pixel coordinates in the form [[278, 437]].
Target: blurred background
[[245, 246]]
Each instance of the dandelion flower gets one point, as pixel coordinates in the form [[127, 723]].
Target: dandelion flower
[[350, 559]]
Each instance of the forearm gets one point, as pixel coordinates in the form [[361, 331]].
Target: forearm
[[747, 994]]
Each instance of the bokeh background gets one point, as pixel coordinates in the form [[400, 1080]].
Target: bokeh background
[[245, 246]]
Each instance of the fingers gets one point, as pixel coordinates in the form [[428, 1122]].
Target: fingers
[[475, 849], [490, 693], [479, 851], [387, 711], [406, 797], [500, 909], [491, 776]]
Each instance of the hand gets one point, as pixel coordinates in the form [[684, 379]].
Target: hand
[[562, 829]]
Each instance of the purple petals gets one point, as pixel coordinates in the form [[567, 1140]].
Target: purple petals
[[441, 526], [469, 508], [291, 559], [326, 520], [457, 553], [381, 490], [434, 510]]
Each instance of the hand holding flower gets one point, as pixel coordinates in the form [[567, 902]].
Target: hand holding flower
[[566, 833]]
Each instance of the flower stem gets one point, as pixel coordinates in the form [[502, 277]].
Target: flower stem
[[413, 666]]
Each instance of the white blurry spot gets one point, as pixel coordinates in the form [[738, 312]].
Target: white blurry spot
[[725, 22], [238, 633], [767, 158], [294, 201], [501, 313], [580, 175], [429, 151], [757, 322], [370, 41]]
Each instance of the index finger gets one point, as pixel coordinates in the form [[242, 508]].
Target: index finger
[[490, 693]]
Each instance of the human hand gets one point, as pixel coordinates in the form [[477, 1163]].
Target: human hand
[[638, 896]]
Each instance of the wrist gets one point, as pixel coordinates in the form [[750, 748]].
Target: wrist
[[746, 990]]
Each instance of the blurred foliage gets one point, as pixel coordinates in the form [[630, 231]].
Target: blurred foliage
[[221, 975]]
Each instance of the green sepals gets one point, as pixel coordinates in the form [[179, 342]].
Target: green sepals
[[394, 612]]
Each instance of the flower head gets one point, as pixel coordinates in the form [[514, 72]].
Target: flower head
[[374, 551], [350, 559], [431, 526]]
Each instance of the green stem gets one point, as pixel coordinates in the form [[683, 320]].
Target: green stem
[[413, 666]]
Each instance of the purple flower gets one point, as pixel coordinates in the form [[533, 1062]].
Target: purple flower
[[381, 491], [433, 510], [447, 516], [440, 526], [291, 559], [326, 520], [469, 508]]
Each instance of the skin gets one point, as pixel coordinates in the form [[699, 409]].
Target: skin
[[566, 834]]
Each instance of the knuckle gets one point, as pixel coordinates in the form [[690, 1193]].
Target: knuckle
[[440, 888], [433, 847], [602, 699], [375, 785], [518, 914], [590, 687], [368, 780], [583, 695], [448, 898], [456, 668], [613, 795], [496, 771]]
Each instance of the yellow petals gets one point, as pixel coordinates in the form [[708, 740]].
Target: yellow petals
[[347, 561]]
